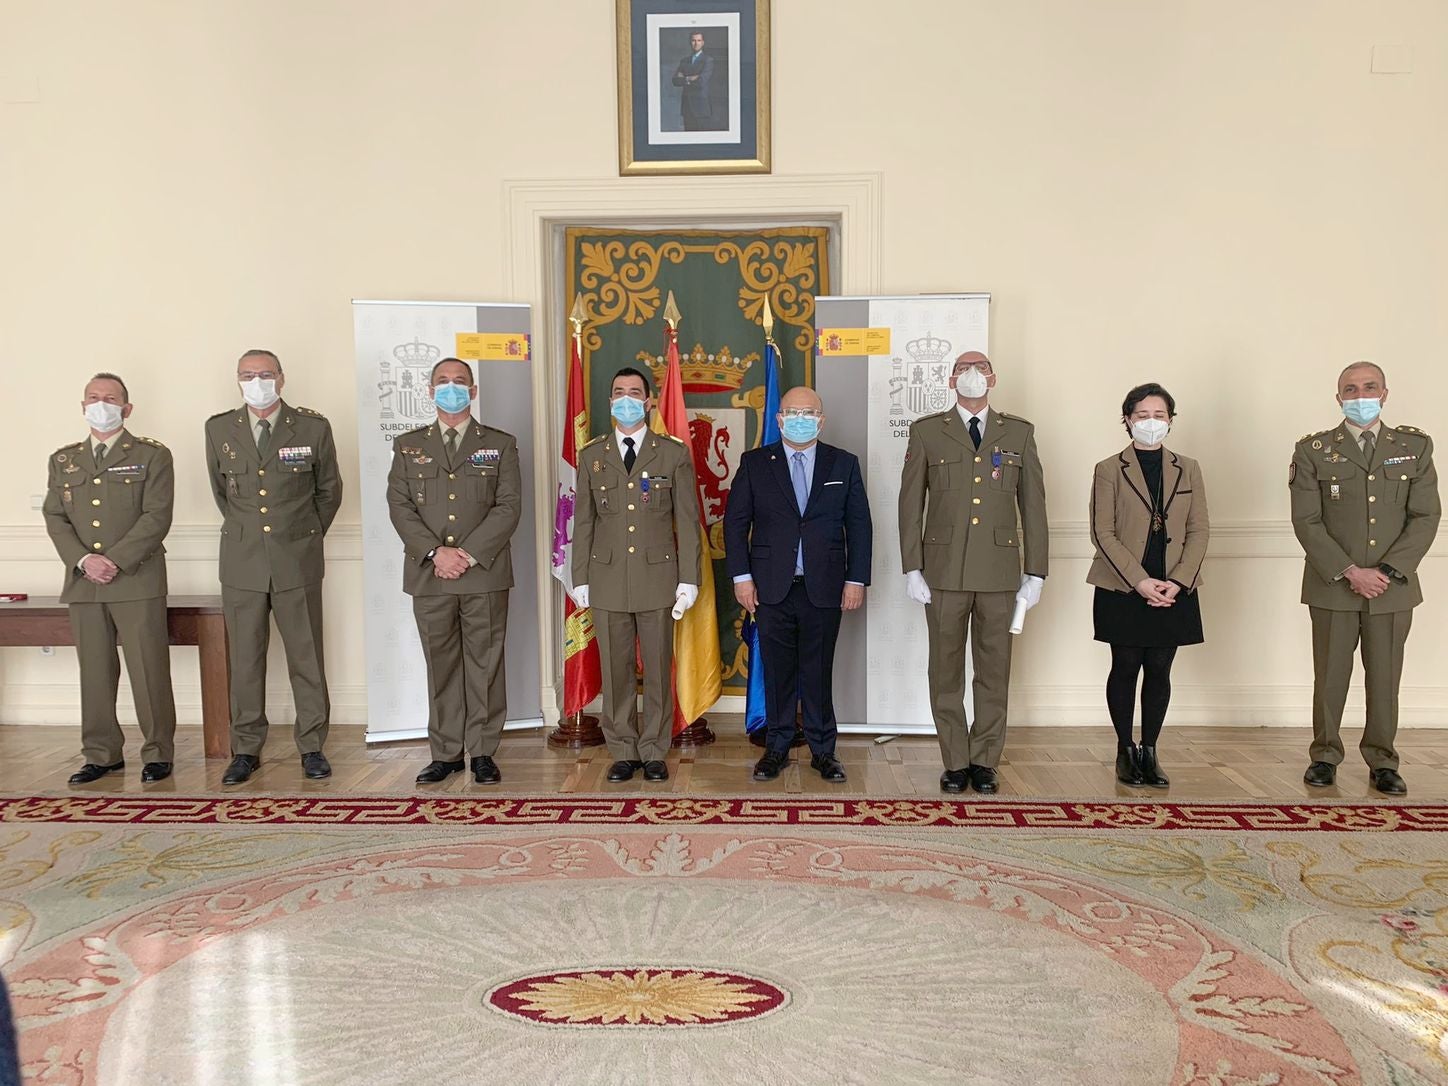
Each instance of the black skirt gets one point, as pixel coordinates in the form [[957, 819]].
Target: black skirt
[[1125, 618]]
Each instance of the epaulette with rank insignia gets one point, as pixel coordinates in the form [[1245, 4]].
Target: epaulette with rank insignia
[[150, 441], [1014, 418], [595, 441], [309, 411], [222, 414], [67, 448], [1410, 430], [671, 437]]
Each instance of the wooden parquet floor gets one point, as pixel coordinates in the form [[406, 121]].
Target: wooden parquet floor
[[1058, 763]]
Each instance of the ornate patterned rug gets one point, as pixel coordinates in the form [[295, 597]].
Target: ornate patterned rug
[[318, 941]]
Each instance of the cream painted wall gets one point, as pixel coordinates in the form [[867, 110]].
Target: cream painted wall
[[1218, 195]]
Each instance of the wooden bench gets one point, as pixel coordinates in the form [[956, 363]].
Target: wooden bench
[[190, 620]]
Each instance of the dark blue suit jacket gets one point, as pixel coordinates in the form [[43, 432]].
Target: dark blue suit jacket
[[763, 525]]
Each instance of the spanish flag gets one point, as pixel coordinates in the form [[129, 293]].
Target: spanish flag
[[697, 666]]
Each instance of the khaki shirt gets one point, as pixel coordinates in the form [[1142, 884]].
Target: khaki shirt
[[121, 509], [472, 502], [1347, 510], [635, 540], [276, 507], [959, 506]]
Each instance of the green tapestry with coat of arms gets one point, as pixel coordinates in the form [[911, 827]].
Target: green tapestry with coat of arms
[[720, 279]]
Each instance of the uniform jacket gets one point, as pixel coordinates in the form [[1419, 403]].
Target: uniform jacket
[[121, 509], [959, 505], [634, 544], [472, 502], [1121, 521], [763, 526], [1347, 511], [276, 507]]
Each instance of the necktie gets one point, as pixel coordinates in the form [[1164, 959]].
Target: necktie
[[975, 430], [263, 432], [451, 442], [629, 456], [100, 453], [1368, 442], [801, 498]]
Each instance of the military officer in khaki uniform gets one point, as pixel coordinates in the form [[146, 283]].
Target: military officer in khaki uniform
[[972, 501], [107, 509], [455, 494], [273, 471], [636, 563], [1365, 508]]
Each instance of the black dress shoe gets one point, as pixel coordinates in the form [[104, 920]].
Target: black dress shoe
[[1128, 764], [954, 780], [622, 770], [241, 769], [316, 766], [656, 770], [92, 772], [1151, 771], [829, 767], [155, 771], [485, 770], [1320, 774], [434, 772], [983, 780], [770, 766], [1388, 782]]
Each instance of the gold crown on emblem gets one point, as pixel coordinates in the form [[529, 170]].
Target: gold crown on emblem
[[701, 370], [416, 353], [928, 348]]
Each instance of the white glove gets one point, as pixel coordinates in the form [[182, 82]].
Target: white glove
[[580, 595], [916, 588], [684, 597], [1030, 591]]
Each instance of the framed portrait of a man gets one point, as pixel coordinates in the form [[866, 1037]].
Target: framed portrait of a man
[[693, 83]]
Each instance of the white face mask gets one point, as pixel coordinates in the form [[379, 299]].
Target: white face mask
[[1149, 432], [103, 417], [972, 384], [259, 393]]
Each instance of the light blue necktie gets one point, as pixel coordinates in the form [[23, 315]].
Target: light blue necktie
[[801, 497]]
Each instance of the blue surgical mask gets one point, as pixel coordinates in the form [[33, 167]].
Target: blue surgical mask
[[801, 429], [1362, 412], [626, 410], [451, 398]]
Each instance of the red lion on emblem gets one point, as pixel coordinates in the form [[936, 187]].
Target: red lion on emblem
[[711, 466]]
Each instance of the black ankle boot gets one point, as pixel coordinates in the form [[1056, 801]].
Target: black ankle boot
[[1151, 771], [1128, 764]]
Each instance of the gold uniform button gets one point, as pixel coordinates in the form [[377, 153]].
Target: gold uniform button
[[262, 492], [452, 516], [942, 459], [1372, 497], [1372, 520], [974, 501], [452, 497], [1372, 542], [266, 527], [1404, 478], [449, 539], [95, 524], [630, 550], [95, 546], [977, 478], [975, 520], [419, 475], [1371, 478], [630, 508], [95, 482], [451, 475], [633, 527], [95, 501], [630, 486], [977, 460], [263, 509], [261, 471]]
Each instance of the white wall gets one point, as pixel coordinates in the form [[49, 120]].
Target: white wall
[[1217, 195]]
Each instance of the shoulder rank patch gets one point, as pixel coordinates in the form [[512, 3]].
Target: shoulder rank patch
[[596, 440], [675, 440], [1410, 430], [74, 445], [309, 412], [150, 441]]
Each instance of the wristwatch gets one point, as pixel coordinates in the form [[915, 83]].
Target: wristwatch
[[428, 556]]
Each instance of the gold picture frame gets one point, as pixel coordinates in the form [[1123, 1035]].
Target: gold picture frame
[[693, 86]]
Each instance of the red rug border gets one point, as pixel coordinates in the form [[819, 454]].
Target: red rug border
[[594, 810]]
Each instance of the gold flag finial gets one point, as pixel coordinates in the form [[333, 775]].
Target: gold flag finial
[[671, 312], [578, 316], [767, 319]]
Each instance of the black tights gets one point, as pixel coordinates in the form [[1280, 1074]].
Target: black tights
[[1126, 662]]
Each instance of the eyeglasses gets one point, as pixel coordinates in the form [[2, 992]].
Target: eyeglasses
[[801, 413], [265, 375], [984, 368]]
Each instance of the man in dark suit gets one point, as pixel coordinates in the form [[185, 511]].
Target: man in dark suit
[[797, 543], [693, 76]]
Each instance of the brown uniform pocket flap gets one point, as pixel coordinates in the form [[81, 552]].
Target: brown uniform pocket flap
[[941, 534], [601, 554], [1007, 537], [661, 554]]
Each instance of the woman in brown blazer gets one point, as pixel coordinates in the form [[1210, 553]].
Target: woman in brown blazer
[[1149, 524]]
